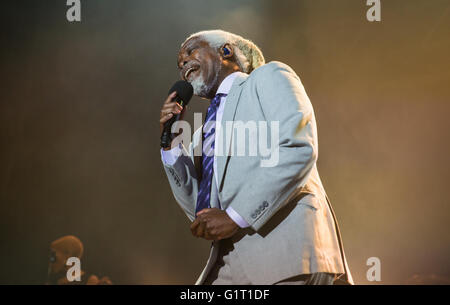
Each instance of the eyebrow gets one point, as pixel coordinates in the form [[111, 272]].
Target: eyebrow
[[193, 47], [188, 50]]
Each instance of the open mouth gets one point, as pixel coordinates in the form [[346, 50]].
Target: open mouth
[[189, 72]]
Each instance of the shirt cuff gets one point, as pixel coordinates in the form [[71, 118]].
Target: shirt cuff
[[169, 157], [241, 222]]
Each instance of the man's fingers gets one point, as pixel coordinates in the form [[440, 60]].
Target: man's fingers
[[208, 236], [194, 225], [200, 230], [165, 118], [201, 226], [173, 107], [169, 111], [198, 227], [203, 211], [170, 97]]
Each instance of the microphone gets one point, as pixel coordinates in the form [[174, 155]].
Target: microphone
[[184, 94]]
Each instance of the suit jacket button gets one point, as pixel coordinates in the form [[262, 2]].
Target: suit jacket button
[[254, 215], [265, 204]]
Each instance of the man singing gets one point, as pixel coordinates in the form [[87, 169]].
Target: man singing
[[268, 224]]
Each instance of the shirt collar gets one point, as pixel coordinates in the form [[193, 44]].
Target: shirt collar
[[226, 84]]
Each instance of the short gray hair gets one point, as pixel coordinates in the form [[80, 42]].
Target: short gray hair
[[248, 55]]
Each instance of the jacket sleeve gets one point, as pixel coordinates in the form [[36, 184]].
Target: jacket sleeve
[[282, 99], [183, 179]]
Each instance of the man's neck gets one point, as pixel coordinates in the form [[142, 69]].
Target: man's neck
[[222, 76]]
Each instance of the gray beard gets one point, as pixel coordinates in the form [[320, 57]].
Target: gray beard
[[200, 88]]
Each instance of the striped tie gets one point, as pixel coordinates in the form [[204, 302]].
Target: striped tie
[[209, 129]]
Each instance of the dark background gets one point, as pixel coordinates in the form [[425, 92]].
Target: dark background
[[79, 130]]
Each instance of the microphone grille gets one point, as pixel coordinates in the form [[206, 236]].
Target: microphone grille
[[184, 90]]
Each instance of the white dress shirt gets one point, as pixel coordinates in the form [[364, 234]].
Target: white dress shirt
[[170, 156]]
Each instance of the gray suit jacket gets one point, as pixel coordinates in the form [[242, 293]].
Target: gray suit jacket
[[292, 227]]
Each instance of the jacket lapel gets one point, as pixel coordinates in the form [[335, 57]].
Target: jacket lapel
[[229, 113]]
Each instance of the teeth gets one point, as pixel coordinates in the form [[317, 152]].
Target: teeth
[[187, 72]]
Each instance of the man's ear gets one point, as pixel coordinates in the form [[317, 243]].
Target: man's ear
[[226, 51]]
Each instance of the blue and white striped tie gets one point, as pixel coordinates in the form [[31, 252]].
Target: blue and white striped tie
[[209, 129]]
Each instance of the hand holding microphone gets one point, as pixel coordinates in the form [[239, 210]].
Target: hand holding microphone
[[173, 110]]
